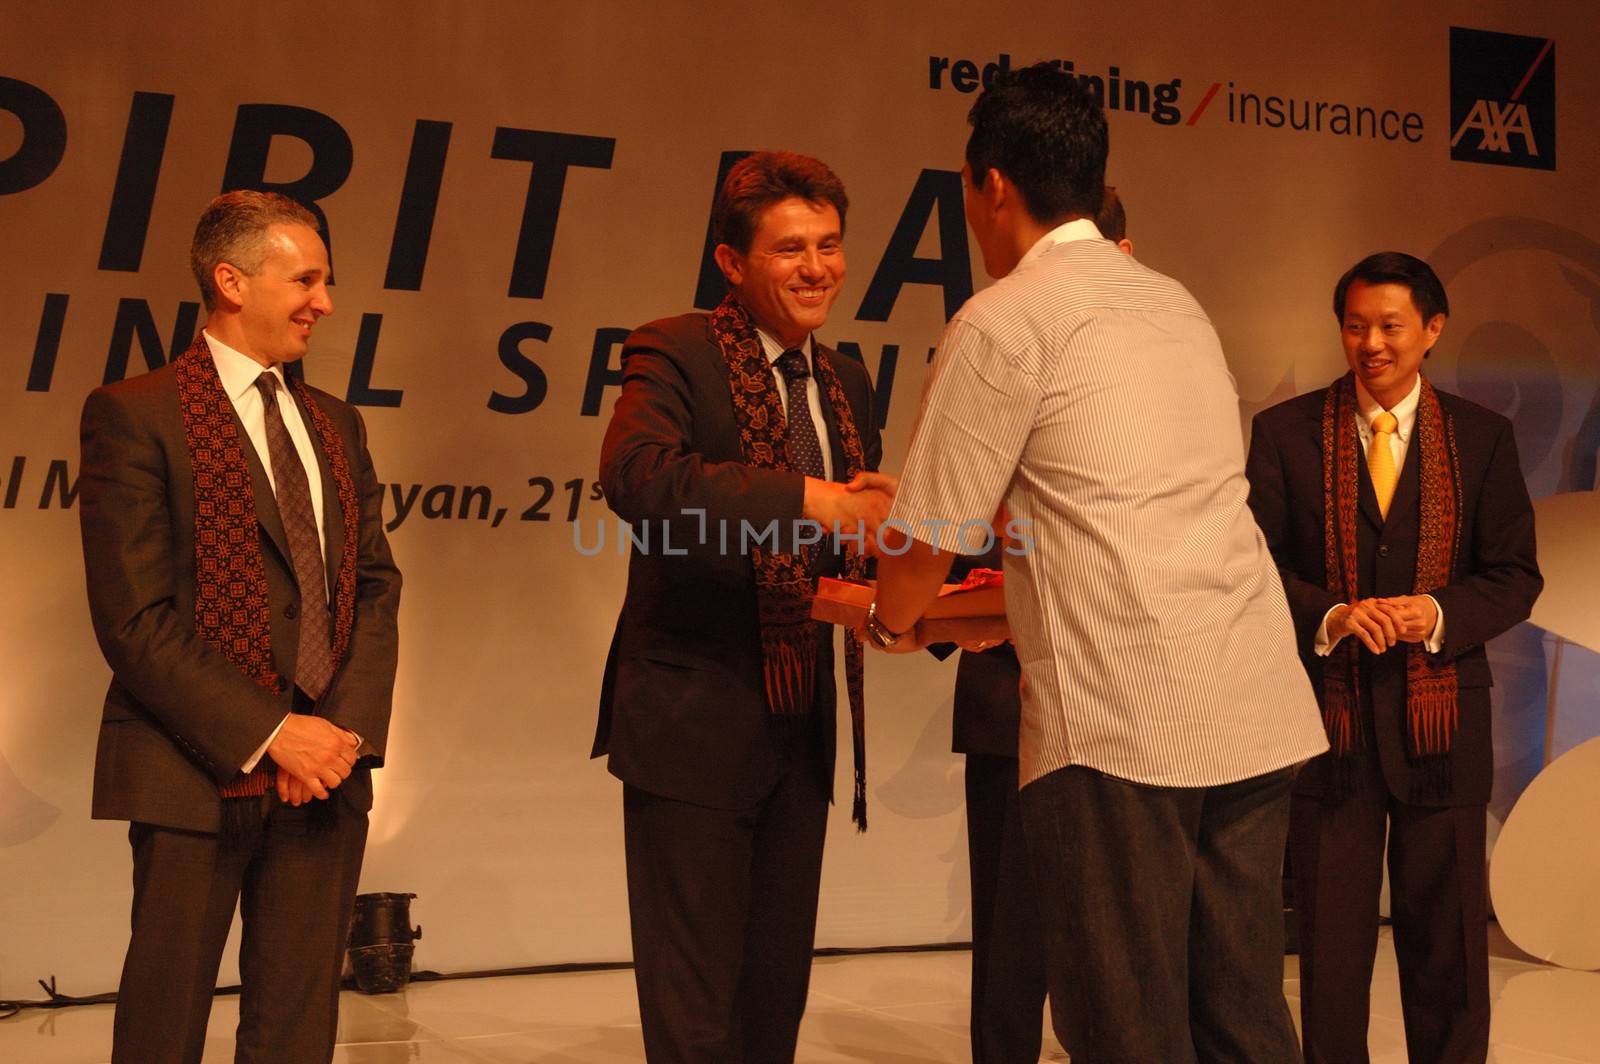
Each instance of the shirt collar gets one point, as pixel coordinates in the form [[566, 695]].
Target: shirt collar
[[774, 350], [238, 370], [1077, 229], [1405, 411]]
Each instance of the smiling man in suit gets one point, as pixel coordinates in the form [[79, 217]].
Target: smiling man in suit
[[729, 451], [243, 593], [1400, 522]]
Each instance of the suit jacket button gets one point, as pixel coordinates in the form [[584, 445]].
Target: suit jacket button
[[1383, 552], [291, 611]]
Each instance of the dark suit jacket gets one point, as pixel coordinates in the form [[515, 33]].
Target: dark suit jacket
[[1496, 581], [987, 711], [988, 702], [683, 710], [180, 718]]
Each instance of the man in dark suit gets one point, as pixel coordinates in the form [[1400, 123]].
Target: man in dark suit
[[1399, 518], [732, 431], [1008, 962], [244, 596]]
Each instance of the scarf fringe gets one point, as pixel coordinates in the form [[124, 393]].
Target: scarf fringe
[[854, 680], [1431, 710], [1431, 778], [1340, 717], [241, 820], [789, 660]]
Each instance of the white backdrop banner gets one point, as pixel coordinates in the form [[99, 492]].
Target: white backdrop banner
[[510, 187]]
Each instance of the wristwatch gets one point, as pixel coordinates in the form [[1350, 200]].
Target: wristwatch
[[877, 632]]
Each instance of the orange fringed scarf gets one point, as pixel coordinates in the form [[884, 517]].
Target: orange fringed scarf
[[784, 588], [1431, 706]]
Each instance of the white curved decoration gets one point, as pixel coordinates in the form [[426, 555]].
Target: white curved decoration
[[1568, 526], [1544, 876]]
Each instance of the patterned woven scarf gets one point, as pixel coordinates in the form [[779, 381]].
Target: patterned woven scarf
[[784, 589], [231, 610], [1431, 709]]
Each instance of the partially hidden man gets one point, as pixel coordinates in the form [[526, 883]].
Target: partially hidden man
[[243, 593], [1401, 525], [718, 705]]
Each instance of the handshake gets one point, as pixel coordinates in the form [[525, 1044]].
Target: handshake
[[853, 511]]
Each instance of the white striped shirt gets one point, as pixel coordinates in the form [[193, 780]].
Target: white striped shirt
[[1090, 395]]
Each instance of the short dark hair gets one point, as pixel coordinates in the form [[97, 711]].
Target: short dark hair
[[763, 178], [1396, 267], [1044, 130], [1112, 220], [231, 230]]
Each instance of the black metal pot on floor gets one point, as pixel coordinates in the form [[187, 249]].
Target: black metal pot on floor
[[381, 938]]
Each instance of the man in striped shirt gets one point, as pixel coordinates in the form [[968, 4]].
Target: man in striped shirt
[[1164, 710], [1008, 968]]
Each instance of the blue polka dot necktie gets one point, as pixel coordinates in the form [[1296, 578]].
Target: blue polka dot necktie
[[805, 452]]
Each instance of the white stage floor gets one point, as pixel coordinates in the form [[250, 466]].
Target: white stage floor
[[897, 1008]]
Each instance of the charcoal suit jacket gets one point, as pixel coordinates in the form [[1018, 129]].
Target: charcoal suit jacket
[[179, 717]]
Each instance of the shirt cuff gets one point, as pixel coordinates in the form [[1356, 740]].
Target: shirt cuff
[[261, 751], [1323, 645], [1435, 640]]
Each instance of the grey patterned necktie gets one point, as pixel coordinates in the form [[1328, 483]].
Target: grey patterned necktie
[[805, 453], [314, 663]]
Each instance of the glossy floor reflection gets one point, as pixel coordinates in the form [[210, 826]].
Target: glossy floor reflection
[[896, 1008]]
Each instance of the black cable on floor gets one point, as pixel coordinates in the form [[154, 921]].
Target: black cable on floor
[[427, 976], [57, 1000]]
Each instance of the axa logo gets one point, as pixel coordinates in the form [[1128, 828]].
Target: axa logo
[[1497, 125], [1502, 99]]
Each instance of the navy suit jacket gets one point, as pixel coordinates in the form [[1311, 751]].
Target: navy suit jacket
[[987, 711]]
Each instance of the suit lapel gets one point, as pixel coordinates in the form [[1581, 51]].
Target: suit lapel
[[829, 417]]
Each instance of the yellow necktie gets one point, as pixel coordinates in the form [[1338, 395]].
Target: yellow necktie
[[1380, 460]]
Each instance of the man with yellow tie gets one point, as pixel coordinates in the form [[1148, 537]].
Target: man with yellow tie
[[1401, 525]]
